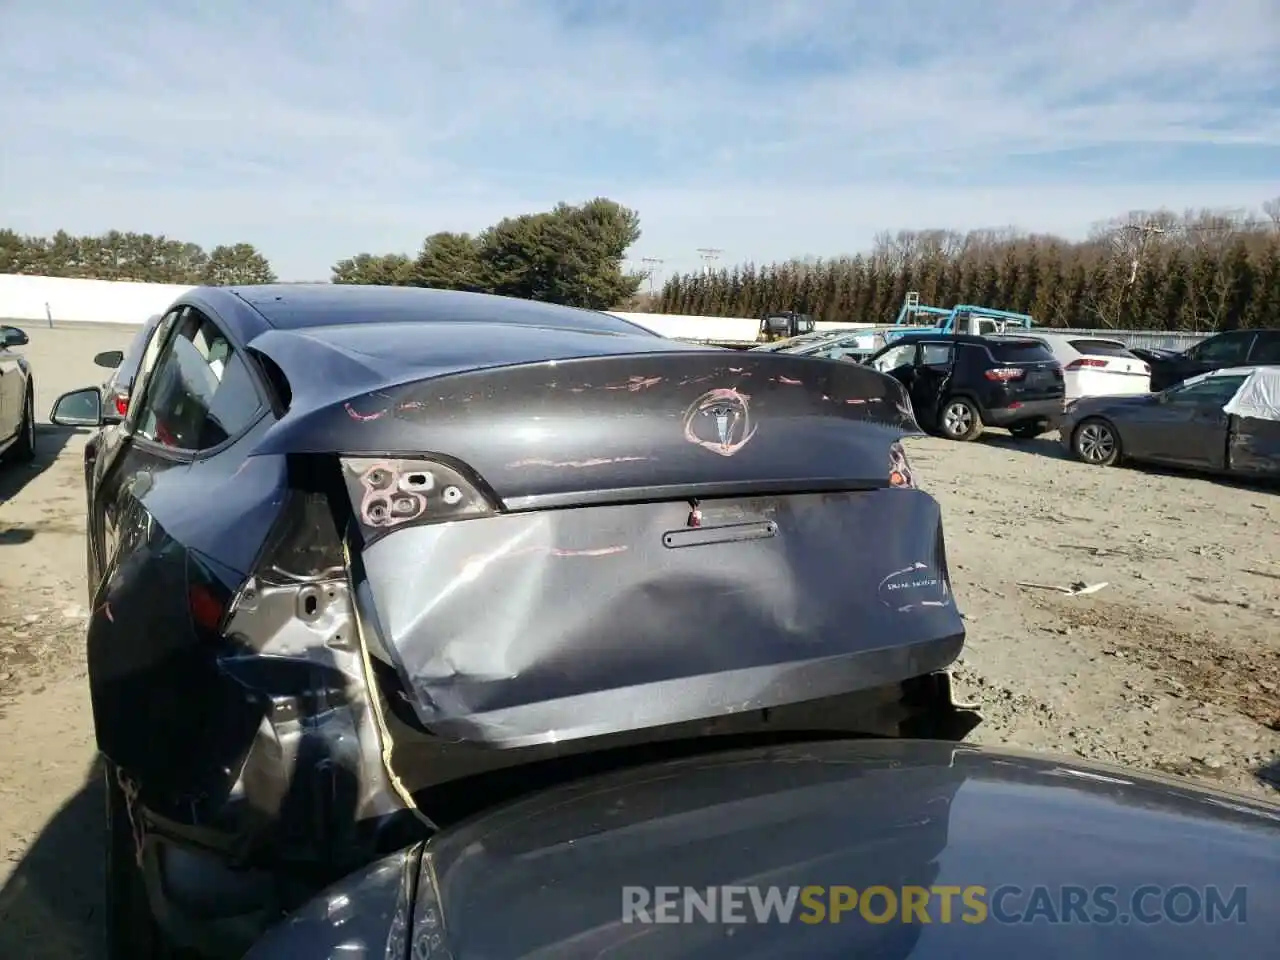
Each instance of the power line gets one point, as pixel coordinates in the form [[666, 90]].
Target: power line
[[709, 256], [654, 264]]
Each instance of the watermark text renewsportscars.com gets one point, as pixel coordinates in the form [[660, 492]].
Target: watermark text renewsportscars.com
[[1147, 904]]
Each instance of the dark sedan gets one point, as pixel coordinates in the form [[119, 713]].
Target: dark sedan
[[839, 849], [1227, 421], [366, 559], [1235, 348]]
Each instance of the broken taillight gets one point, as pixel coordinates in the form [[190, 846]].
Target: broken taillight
[[900, 474], [387, 493], [122, 404]]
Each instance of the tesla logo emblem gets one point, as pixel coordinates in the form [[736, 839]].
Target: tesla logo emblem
[[719, 421]]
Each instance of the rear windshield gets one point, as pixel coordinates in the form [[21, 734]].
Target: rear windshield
[[1101, 348], [1020, 351]]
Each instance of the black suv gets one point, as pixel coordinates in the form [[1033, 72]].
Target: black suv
[[1235, 348], [960, 383]]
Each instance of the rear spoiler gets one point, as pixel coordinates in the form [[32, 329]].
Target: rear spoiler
[[614, 428]]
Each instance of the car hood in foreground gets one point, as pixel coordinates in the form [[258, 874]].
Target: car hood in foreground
[[1038, 857]]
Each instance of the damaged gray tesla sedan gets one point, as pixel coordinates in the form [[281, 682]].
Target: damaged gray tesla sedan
[[364, 561]]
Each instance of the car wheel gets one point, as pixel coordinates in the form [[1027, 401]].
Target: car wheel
[[24, 448], [1095, 442], [960, 419], [132, 932]]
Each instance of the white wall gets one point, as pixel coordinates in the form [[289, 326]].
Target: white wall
[[705, 328], [39, 299]]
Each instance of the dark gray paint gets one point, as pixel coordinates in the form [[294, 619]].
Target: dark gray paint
[[555, 625], [1199, 436], [606, 426], [543, 877], [227, 657]]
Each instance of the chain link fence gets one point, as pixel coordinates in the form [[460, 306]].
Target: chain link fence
[[1151, 339]]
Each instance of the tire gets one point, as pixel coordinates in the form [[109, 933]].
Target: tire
[[131, 929], [959, 419], [1096, 443], [1027, 431], [23, 449]]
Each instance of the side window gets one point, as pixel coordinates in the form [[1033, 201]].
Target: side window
[[935, 355], [1266, 348], [201, 393], [1227, 348], [1211, 391], [895, 357]]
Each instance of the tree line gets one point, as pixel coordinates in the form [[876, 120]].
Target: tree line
[[573, 254], [1202, 270], [141, 257]]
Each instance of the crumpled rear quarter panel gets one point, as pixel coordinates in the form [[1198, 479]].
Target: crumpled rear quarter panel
[[1253, 447]]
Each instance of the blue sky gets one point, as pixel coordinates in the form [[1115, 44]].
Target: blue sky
[[318, 129]]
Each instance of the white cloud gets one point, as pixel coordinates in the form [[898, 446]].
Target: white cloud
[[769, 128]]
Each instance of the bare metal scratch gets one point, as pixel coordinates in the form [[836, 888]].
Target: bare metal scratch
[[636, 384], [559, 552], [363, 417], [595, 462]]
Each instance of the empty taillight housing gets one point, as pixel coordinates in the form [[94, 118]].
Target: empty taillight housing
[[900, 473], [387, 493], [1004, 374], [1084, 362]]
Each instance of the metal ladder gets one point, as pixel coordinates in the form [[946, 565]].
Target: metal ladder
[[912, 306]]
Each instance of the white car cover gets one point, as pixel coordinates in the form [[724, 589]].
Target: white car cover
[[1258, 396]]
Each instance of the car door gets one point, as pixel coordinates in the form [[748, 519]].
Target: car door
[[934, 365], [898, 361], [1189, 427], [109, 457], [146, 669]]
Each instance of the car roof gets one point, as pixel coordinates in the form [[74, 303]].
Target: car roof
[[251, 310], [1076, 336], [974, 338], [1231, 372]]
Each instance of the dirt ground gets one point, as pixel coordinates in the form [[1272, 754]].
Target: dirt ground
[[1174, 665]]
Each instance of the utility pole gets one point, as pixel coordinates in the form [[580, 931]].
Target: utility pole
[[653, 264], [709, 256], [1146, 231]]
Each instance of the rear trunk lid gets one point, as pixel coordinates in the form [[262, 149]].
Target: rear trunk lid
[[569, 548]]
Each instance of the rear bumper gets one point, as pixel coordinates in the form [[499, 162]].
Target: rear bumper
[[1046, 410], [549, 626]]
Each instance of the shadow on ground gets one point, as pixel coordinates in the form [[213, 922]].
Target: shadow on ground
[[51, 908], [14, 477], [1270, 773], [1050, 446], [1046, 445]]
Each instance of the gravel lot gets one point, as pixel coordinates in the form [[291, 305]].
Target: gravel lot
[[1173, 666]]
